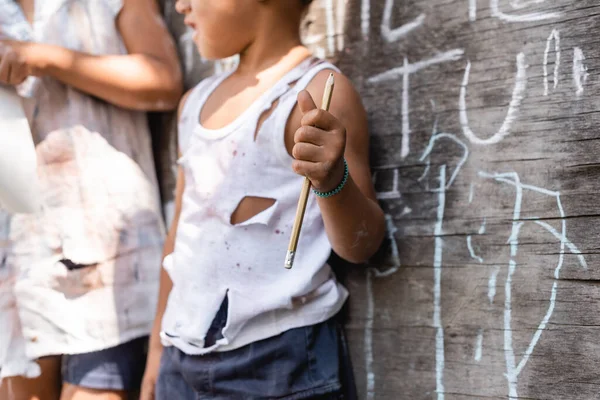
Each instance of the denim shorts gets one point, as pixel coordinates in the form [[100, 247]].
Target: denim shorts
[[119, 368], [301, 363]]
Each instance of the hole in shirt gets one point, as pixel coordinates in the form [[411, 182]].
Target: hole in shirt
[[249, 208], [263, 117], [215, 332], [267, 113], [71, 266]]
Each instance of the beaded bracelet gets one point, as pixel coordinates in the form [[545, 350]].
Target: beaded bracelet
[[338, 188]]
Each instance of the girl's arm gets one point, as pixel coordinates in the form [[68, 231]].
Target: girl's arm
[[155, 347], [148, 78], [354, 221]]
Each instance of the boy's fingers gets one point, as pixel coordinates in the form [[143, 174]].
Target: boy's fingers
[[307, 152], [309, 134], [306, 102]]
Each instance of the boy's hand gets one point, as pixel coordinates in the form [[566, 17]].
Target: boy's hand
[[14, 64], [320, 145]]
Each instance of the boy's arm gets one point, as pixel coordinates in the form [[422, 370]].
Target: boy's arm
[[354, 221], [148, 78], [155, 346]]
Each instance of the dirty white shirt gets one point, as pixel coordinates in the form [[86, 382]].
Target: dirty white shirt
[[100, 206], [214, 259]]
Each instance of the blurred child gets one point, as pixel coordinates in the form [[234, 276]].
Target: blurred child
[[78, 280]]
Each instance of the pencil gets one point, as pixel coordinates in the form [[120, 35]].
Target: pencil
[[291, 253]]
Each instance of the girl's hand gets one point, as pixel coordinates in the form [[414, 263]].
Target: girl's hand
[[319, 147], [15, 66]]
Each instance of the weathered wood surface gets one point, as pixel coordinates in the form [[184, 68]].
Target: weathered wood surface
[[485, 118]]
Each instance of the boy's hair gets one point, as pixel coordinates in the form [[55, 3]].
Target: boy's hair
[[306, 2]]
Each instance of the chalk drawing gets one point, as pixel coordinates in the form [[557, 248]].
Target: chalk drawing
[[365, 18], [395, 73], [554, 36], [390, 34], [330, 26], [405, 72], [478, 346], [513, 108], [371, 273], [471, 192], [437, 287], [482, 227], [512, 369], [472, 10], [369, 337], [427, 152], [392, 194], [580, 73], [519, 4], [492, 285], [531, 17], [391, 232], [472, 251], [341, 19]]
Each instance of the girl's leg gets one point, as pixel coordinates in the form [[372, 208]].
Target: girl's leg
[[45, 387]]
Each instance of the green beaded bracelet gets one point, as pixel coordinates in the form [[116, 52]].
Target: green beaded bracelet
[[338, 188]]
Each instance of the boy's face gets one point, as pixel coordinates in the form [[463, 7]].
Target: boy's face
[[222, 28]]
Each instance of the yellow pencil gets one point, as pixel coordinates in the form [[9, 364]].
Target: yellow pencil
[[291, 253]]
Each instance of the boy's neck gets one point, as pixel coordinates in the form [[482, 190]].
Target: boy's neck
[[271, 48]]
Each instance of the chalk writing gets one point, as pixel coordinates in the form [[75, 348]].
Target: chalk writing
[[531, 17], [512, 368], [392, 35], [580, 73], [513, 108], [554, 36], [405, 71]]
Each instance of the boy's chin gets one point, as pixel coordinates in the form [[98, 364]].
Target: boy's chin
[[210, 54]]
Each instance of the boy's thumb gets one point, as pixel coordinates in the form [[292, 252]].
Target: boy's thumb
[[306, 102]]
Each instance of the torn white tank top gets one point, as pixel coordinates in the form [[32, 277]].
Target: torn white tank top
[[245, 262], [101, 205]]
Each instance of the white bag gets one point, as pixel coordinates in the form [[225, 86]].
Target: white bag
[[19, 185]]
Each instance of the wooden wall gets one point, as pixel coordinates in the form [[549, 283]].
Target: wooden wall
[[485, 124]]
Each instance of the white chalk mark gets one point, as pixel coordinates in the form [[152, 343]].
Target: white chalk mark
[[405, 72], [513, 108], [405, 149], [395, 73], [472, 251], [471, 192], [482, 227], [330, 26], [472, 10], [425, 171], [554, 36], [459, 165], [341, 20], [479, 346], [392, 35], [492, 285], [531, 17], [513, 370], [393, 194], [437, 287], [406, 211], [564, 243], [580, 73], [391, 232], [369, 338], [519, 4], [365, 18]]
